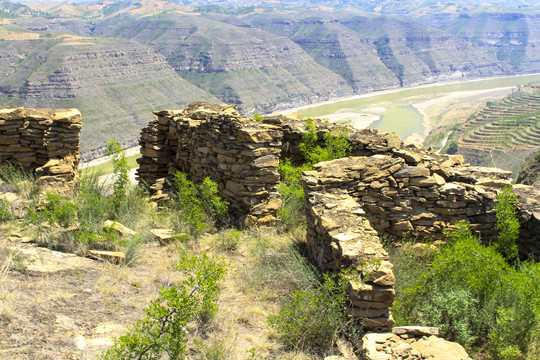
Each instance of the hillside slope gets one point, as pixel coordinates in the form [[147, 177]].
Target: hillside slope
[[510, 38], [530, 172], [244, 66], [503, 134], [115, 83], [377, 51]]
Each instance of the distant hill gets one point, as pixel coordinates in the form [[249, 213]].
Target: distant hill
[[503, 134], [239, 65], [115, 83], [117, 61]]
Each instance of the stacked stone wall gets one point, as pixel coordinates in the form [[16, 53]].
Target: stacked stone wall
[[238, 153], [204, 140], [44, 142], [405, 193]]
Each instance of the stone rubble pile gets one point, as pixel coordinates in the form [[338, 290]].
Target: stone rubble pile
[[411, 343], [45, 142]]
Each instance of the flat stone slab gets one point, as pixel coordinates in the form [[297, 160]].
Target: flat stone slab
[[114, 257], [416, 330]]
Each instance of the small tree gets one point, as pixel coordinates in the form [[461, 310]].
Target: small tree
[[120, 169], [162, 330], [507, 224]]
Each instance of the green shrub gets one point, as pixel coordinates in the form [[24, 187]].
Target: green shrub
[[59, 210], [258, 117], [161, 332], [311, 318], [211, 202], [507, 224], [335, 146], [121, 178], [199, 204], [472, 294]]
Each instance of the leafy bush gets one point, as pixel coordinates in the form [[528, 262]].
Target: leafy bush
[[162, 330], [507, 224], [258, 117], [472, 294], [59, 211], [336, 146], [310, 318], [199, 204]]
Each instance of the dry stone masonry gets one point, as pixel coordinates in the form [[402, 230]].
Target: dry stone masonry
[[238, 153], [45, 142], [204, 140], [402, 193]]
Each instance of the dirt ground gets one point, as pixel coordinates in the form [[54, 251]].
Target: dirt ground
[[60, 306]]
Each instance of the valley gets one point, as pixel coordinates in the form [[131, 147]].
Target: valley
[[118, 61], [417, 110]]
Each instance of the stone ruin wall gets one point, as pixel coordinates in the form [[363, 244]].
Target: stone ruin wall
[[44, 142], [383, 188], [404, 193], [238, 153], [204, 140]]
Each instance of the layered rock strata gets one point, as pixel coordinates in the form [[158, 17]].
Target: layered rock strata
[[45, 142]]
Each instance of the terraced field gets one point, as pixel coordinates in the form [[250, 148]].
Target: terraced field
[[509, 124]]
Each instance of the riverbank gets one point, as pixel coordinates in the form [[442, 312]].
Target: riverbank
[[397, 90]]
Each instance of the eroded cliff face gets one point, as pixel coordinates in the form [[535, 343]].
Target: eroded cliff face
[[239, 65], [112, 82], [510, 38], [373, 51]]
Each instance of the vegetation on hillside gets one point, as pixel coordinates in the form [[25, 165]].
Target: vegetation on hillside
[[332, 146], [530, 171], [273, 268], [480, 296]]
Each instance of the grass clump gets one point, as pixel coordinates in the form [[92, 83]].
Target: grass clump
[[5, 210], [229, 240], [21, 180], [310, 318]]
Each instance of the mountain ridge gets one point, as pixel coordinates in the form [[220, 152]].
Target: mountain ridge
[[262, 58]]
